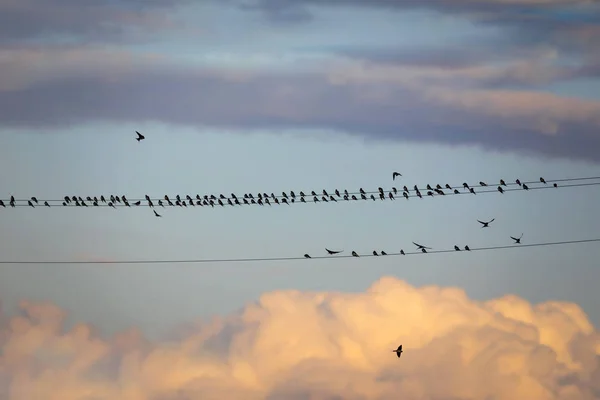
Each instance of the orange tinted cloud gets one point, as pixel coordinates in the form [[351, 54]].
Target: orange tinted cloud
[[318, 345]]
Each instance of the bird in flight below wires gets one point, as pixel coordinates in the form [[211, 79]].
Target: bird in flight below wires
[[139, 136], [395, 174], [398, 351]]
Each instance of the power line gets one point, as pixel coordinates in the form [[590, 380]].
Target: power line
[[268, 259], [397, 196]]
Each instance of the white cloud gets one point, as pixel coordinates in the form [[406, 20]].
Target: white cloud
[[308, 345]]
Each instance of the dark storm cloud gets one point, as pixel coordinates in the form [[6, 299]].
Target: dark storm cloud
[[531, 122], [90, 20]]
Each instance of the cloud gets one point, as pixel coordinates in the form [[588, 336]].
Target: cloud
[[64, 87], [318, 345], [112, 20]]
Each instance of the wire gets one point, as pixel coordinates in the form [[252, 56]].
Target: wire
[[267, 259], [397, 197]]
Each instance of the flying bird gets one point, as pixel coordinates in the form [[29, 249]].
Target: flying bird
[[333, 252], [398, 351], [156, 214], [395, 174], [486, 224], [419, 246], [517, 240], [139, 136]]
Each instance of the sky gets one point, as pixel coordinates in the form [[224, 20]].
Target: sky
[[271, 96]]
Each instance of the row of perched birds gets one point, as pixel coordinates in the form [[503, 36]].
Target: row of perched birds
[[263, 199], [423, 249]]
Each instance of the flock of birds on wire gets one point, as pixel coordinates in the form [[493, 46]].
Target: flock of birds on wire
[[420, 247], [264, 199], [261, 199]]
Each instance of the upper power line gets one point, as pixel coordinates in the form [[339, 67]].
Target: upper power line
[[292, 197]]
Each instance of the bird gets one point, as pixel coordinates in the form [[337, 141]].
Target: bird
[[555, 185], [467, 248], [156, 214], [456, 248], [354, 253], [398, 351], [139, 136], [333, 251], [486, 224], [306, 256], [517, 240], [402, 252], [419, 246], [500, 189], [543, 180], [502, 182], [525, 187], [395, 174], [383, 253]]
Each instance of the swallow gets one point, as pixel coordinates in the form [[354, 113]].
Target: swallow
[[333, 251], [307, 256], [405, 195], [525, 187], [398, 351], [502, 182], [448, 187], [402, 252], [472, 190], [354, 254], [465, 185], [543, 180], [46, 204], [2, 204], [518, 182], [500, 189], [456, 191], [420, 246], [30, 203], [467, 248], [555, 185], [486, 224], [35, 200], [375, 253], [139, 136], [395, 174], [456, 248], [383, 253], [156, 214], [517, 240], [481, 183]]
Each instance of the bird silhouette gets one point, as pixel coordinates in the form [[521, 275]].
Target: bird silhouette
[[525, 187], [500, 189], [156, 214], [307, 256], [502, 182], [420, 246], [139, 136], [383, 253], [354, 253], [486, 224], [333, 251], [395, 174], [398, 351], [517, 240], [555, 185], [375, 253], [402, 252], [456, 248], [543, 180], [467, 248]]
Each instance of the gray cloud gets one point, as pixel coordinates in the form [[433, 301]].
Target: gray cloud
[[374, 106], [81, 19]]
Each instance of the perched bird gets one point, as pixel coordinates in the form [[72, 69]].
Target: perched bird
[[500, 189], [375, 253], [472, 190], [525, 187], [502, 182], [481, 183], [333, 251], [307, 256], [543, 180], [555, 185], [456, 248], [486, 224], [383, 253], [518, 182], [156, 214], [354, 254], [456, 191], [395, 174], [467, 248], [402, 252], [423, 250], [139, 136], [398, 351], [517, 240]]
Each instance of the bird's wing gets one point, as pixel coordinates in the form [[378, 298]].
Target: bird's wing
[[492, 220], [418, 245], [513, 238], [482, 223]]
